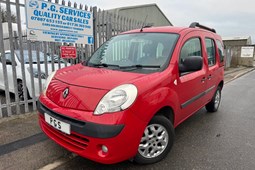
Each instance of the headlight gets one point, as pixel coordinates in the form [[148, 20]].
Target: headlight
[[119, 98], [48, 80]]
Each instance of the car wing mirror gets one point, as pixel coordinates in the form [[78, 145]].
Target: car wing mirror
[[190, 64]]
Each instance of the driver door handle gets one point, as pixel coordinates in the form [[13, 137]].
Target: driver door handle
[[203, 80]]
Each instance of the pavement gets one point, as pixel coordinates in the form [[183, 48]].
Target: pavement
[[24, 146], [233, 73]]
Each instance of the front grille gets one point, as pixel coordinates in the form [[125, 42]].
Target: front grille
[[74, 141]]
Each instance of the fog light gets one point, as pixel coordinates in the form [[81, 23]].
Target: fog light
[[104, 149]]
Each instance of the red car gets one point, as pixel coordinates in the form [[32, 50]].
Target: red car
[[126, 100]]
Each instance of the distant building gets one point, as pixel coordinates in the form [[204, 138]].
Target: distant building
[[234, 51], [154, 14], [237, 41]]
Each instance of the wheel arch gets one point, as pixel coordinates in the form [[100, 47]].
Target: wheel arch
[[19, 79], [167, 112], [221, 84]]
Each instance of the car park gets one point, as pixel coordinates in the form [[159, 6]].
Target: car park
[[17, 63], [126, 100]]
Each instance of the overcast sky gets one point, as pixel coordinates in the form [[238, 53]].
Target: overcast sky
[[228, 17]]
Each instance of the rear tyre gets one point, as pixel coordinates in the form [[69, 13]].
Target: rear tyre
[[214, 104], [156, 142]]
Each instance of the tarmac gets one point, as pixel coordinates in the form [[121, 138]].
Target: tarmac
[[24, 146]]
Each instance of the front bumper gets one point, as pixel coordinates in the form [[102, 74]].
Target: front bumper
[[87, 138], [84, 128]]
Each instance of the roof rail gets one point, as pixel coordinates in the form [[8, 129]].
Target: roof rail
[[196, 24]]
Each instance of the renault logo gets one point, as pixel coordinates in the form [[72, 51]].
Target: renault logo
[[65, 93]]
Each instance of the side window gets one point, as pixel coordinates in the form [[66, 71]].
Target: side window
[[220, 50], [191, 48], [210, 49]]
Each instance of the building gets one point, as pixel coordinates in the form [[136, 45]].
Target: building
[[237, 41], [234, 50], [154, 14]]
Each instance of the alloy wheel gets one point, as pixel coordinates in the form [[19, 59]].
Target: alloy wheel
[[217, 99], [154, 141]]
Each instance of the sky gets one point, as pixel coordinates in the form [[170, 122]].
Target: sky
[[229, 17]]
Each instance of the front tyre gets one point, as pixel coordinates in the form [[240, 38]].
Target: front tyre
[[156, 142], [21, 91], [214, 104]]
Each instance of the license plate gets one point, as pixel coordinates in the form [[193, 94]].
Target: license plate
[[57, 124]]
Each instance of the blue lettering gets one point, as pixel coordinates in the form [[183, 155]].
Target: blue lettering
[[44, 5], [53, 8], [36, 12], [61, 10], [88, 16]]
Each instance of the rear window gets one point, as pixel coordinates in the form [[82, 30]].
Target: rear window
[[210, 49]]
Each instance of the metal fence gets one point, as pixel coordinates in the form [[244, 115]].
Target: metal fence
[[23, 73]]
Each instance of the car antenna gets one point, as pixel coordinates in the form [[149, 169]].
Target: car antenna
[[141, 30]]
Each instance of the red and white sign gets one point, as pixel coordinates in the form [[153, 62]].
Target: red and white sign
[[68, 52]]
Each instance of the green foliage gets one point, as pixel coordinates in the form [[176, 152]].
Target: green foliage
[[4, 17]]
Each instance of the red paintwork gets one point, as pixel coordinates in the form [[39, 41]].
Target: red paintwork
[[155, 91], [94, 77]]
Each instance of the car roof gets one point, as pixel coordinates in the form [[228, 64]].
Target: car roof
[[168, 29], [164, 29]]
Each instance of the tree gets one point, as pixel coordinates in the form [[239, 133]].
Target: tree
[[3, 14]]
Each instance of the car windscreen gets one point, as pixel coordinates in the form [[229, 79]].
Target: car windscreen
[[34, 56], [139, 52]]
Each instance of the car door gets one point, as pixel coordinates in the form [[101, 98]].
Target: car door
[[213, 66], [191, 86]]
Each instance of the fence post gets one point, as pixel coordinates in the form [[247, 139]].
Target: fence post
[[95, 26], [15, 83], [109, 26], [15, 36], [21, 48], [7, 94]]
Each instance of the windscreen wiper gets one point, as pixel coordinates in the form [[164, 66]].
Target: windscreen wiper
[[139, 66], [103, 65]]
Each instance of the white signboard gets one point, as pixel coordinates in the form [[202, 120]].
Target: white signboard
[[47, 21], [247, 51]]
